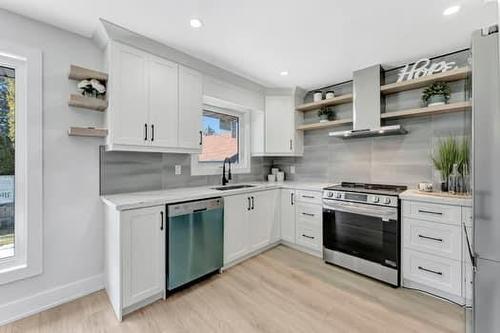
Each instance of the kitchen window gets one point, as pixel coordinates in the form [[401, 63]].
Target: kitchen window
[[20, 162], [225, 134]]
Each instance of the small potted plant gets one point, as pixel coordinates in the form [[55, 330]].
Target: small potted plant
[[447, 154], [437, 93], [325, 114]]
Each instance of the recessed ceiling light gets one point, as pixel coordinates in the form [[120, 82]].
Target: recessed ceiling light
[[284, 73], [451, 10], [196, 23]]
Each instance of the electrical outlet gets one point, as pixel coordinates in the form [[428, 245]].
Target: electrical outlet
[[292, 169], [178, 170]]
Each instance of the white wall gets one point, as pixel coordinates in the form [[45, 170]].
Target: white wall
[[73, 216]]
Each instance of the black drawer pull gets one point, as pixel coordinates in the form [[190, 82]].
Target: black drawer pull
[[152, 133], [308, 214], [431, 238], [310, 237], [145, 132], [308, 196], [429, 270], [429, 212], [199, 210]]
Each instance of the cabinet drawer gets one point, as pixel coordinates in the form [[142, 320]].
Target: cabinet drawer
[[432, 212], [309, 236], [433, 271], [308, 212], [308, 197], [434, 238], [467, 216]]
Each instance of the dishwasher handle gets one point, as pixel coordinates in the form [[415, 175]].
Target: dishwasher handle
[[194, 207]]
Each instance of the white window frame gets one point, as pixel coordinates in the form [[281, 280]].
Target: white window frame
[[27, 259], [232, 109]]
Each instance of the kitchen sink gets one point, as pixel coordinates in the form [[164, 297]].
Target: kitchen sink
[[232, 187]]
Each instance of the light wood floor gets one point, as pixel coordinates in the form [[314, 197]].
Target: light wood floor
[[281, 290]]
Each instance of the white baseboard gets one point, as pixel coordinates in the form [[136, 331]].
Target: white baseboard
[[47, 299]]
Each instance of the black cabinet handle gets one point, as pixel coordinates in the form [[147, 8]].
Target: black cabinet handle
[[291, 145], [429, 212], [201, 138], [291, 199], [308, 214], [431, 238], [308, 196], [249, 204], [152, 133], [161, 215], [306, 236], [429, 270], [253, 203], [145, 132]]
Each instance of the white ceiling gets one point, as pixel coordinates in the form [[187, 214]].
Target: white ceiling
[[318, 42]]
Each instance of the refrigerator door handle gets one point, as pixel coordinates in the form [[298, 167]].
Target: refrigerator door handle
[[469, 249]]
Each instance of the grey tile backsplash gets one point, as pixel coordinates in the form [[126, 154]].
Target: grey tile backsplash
[[133, 171], [402, 159]]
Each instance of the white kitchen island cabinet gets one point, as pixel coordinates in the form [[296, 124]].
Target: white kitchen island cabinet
[[134, 257], [250, 224], [155, 105]]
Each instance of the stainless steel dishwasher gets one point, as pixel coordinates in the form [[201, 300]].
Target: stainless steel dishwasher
[[195, 236]]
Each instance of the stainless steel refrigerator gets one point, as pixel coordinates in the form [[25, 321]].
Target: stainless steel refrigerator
[[485, 241]]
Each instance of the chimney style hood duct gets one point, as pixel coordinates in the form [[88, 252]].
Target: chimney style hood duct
[[367, 107]]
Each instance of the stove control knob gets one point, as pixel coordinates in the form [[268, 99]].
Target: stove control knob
[[338, 195], [387, 201], [376, 199], [330, 194]]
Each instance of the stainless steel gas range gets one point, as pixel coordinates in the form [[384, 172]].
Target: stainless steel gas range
[[361, 229]]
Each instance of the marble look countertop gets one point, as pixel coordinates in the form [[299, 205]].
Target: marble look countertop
[[437, 197], [134, 200]]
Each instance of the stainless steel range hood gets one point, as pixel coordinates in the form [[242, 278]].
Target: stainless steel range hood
[[367, 107]]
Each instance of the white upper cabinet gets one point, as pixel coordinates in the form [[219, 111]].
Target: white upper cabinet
[[163, 102], [154, 104], [274, 132], [190, 108], [128, 117]]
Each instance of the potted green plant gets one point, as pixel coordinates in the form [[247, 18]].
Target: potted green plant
[[437, 93], [443, 159], [325, 114]]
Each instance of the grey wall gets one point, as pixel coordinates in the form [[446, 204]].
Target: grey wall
[[404, 159], [130, 172]]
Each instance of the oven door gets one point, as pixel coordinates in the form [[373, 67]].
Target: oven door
[[365, 231]]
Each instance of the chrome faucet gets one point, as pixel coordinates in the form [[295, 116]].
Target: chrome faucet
[[229, 177]]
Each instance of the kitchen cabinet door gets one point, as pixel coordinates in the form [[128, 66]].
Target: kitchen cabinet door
[[280, 125], [287, 216], [190, 108], [236, 212], [128, 96], [143, 253], [262, 218], [163, 102]]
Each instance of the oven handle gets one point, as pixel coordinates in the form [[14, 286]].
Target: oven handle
[[384, 213]]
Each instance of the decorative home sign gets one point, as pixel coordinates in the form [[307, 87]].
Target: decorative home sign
[[424, 67]]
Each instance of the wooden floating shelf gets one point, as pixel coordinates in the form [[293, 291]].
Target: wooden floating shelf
[[85, 102], [80, 73], [342, 99], [326, 124], [88, 131], [430, 110], [452, 75]]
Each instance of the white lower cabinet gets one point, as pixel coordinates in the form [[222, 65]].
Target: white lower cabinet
[[134, 257], [433, 258], [250, 223], [287, 215], [308, 229]]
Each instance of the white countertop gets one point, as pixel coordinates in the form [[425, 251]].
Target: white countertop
[[134, 200], [437, 197]]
